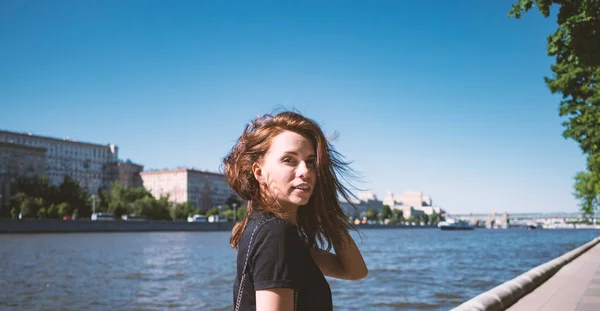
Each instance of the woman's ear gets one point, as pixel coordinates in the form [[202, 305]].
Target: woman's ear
[[258, 173]]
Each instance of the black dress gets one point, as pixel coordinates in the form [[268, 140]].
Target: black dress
[[277, 258]]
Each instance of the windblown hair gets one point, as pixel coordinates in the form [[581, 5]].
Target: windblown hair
[[321, 222]]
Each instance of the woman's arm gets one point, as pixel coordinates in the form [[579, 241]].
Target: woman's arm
[[347, 263], [275, 299]]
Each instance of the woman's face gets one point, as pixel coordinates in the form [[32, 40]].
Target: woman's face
[[287, 172]]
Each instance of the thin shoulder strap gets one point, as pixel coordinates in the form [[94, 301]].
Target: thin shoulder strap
[[244, 268]]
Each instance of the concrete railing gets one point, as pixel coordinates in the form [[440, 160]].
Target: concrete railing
[[503, 296], [64, 226]]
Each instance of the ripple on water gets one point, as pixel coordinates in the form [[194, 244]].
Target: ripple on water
[[447, 296], [407, 305], [133, 276], [420, 270]]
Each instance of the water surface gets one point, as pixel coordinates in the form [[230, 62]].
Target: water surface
[[409, 269]]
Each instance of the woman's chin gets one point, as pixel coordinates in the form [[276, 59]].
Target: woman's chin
[[301, 201]]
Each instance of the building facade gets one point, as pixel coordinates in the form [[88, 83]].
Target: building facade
[[357, 208], [18, 160], [200, 189], [93, 166], [126, 172], [412, 203]]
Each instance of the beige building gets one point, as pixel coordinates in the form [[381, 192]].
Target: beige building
[[365, 200], [18, 160], [412, 203], [126, 172], [93, 166], [201, 189]]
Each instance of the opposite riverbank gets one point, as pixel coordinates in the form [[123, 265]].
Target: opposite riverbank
[[76, 226]]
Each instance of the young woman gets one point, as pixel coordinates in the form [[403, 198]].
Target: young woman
[[287, 171]]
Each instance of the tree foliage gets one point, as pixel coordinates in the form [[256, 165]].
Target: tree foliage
[[576, 73], [371, 214], [71, 193], [120, 200], [386, 212], [181, 211], [36, 198], [241, 212], [152, 208], [434, 218], [212, 211], [397, 216], [56, 202], [233, 199]]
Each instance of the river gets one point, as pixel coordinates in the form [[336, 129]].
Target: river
[[409, 269]]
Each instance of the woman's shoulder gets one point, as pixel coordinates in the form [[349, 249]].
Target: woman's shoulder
[[267, 224]]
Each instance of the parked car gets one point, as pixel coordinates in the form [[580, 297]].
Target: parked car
[[216, 218], [133, 217], [197, 218], [103, 216]]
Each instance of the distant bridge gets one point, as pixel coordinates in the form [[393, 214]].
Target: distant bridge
[[494, 220]]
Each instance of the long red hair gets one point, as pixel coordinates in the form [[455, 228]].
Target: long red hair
[[321, 221]]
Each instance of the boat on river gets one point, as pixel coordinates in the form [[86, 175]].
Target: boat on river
[[454, 224]]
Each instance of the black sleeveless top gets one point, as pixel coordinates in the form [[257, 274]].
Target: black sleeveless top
[[277, 258]]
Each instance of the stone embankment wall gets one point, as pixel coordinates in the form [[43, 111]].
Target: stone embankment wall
[[504, 295], [62, 226]]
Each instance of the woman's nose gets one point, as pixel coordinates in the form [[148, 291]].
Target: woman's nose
[[302, 170]]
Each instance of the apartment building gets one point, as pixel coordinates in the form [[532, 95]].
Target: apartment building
[[93, 166], [412, 203], [19, 160], [199, 188]]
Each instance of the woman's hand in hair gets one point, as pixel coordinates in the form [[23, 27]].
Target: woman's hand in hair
[[347, 263]]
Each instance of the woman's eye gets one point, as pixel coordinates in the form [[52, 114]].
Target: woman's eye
[[287, 160], [311, 163]]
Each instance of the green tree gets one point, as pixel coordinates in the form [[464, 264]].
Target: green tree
[[64, 209], [52, 211], [14, 212], [102, 200], [233, 199], [434, 218], [575, 45], [30, 207], [212, 211], [152, 208], [120, 199], [180, 211], [37, 187], [241, 212], [227, 214], [371, 214], [41, 214], [386, 212], [197, 211], [70, 192], [412, 219], [397, 215]]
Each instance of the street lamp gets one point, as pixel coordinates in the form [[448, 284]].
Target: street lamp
[[94, 203], [234, 211], [174, 210], [219, 207]]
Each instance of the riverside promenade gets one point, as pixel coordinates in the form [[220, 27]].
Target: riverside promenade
[[570, 282], [575, 287]]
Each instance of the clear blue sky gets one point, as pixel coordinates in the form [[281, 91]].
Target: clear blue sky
[[446, 97]]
